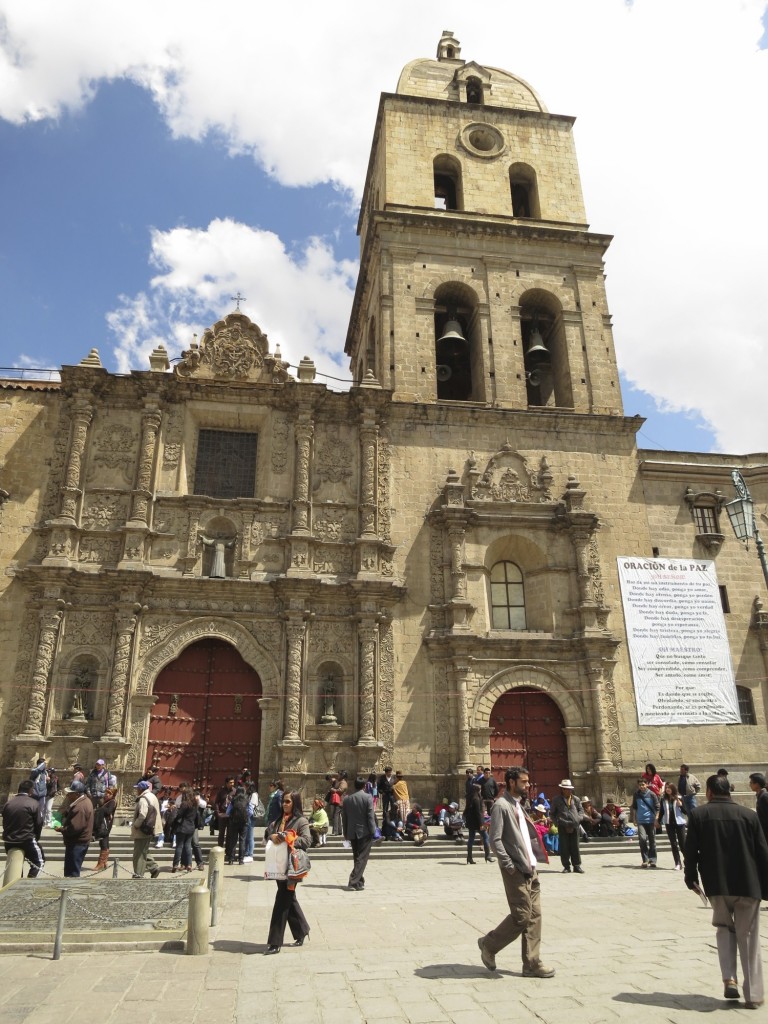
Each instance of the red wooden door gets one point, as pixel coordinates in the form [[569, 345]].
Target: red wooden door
[[206, 724], [528, 729]]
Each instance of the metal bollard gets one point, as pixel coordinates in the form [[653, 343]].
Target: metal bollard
[[198, 918], [60, 925], [14, 866], [214, 887], [115, 864]]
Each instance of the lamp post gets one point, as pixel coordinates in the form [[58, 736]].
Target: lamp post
[[741, 512]]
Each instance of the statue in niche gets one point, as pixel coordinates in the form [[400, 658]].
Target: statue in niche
[[82, 684], [219, 562], [329, 695]]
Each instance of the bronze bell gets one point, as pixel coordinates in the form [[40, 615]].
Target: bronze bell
[[537, 351], [451, 342]]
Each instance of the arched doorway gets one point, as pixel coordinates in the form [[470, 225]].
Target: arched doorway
[[528, 729], [206, 724]]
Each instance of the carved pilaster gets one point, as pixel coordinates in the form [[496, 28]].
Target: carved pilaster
[[368, 442], [150, 424], [70, 492], [118, 684], [367, 635], [301, 486], [459, 672], [458, 576], [50, 623], [294, 655], [604, 717]]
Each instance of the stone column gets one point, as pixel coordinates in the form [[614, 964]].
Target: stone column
[[118, 684], [601, 706], [304, 433], [460, 671], [50, 623], [294, 631], [81, 419], [458, 576], [150, 424], [367, 635], [368, 442]]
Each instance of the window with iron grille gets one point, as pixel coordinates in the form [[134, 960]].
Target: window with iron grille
[[746, 705], [226, 464], [507, 597]]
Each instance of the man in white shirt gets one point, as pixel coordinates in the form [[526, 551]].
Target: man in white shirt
[[518, 849]]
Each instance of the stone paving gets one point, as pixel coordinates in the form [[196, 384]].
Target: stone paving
[[627, 944]]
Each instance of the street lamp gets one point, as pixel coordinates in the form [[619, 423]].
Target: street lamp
[[741, 512]]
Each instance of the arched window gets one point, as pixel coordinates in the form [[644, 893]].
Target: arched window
[[524, 191], [474, 90], [507, 597], [447, 182], [746, 705]]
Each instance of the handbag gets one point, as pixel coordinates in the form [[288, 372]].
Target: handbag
[[299, 865]]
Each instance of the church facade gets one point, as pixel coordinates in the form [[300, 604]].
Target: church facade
[[228, 565]]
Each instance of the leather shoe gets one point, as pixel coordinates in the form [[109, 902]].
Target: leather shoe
[[565, 871], [300, 942], [271, 949], [753, 1005], [489, 960], [579, 869], [538, 971], [730, 989]]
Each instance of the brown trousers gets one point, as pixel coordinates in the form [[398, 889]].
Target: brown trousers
[[524, 918]]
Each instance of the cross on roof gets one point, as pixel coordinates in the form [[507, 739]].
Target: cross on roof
[[238, 299]]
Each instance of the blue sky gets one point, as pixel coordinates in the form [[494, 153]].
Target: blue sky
[[154, 159]]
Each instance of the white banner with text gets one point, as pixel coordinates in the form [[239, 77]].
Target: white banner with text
[[678, 646]]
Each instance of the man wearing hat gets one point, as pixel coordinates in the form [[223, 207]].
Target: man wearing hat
[[566, 812], [76, 828], [146, 822], [98, 781]]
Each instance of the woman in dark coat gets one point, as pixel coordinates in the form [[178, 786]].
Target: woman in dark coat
[[290, 825], [184, 825], [103, 817], [474, 816]]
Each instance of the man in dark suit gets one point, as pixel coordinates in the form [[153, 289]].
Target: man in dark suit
[[726, 845], [359, 824]]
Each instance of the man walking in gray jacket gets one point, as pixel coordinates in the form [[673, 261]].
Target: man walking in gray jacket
[[518, 850], [359, 823]]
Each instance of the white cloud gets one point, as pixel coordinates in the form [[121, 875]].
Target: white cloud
[[670, 101], [307, 294]]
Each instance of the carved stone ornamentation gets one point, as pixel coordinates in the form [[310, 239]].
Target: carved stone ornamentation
[[114, 453], [385, 482], [293, 673], [334, 524], [235, 348], [332, 560], [50, 622], [104, 512], [279, 455], [506, 478], [367, 635], [437, 578], [154, 632], [334, 460], [86, 628], [14, 715], [386, 691], [118, 684], [81, 418], [330, 637], [98, 551]]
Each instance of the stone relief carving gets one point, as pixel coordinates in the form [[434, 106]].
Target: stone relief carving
[[385, 484], [332, 560], [87, 629], [330, 637], [98, 551], [387, 692], [437, 578], [134, 759], [50, 504], [506, 478], [104, 512], [334, 459], [114, 448], [269, 635], [280, 432], [172, 438], [153, 633], [235, 348], [335, 524], [595, 573]]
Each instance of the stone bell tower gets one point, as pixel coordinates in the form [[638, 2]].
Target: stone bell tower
[[480, 281]]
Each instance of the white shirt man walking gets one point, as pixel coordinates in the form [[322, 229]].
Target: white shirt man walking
[[518, 850]]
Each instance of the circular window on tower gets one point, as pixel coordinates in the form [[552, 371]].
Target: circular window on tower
[[481, 139]]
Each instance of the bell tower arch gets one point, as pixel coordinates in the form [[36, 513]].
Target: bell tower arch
[[472, 180]]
